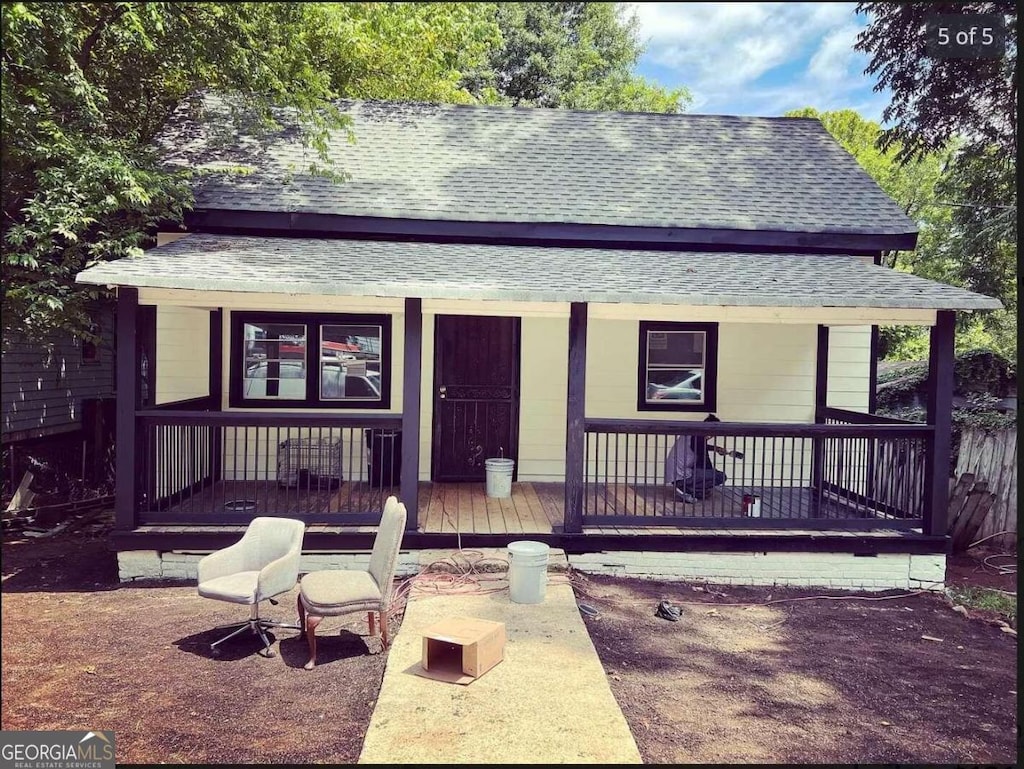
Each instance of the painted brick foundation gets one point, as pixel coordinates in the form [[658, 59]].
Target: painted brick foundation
[[832, 570], [173, 564]]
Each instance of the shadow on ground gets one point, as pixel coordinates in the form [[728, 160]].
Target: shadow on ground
[[834, 681]]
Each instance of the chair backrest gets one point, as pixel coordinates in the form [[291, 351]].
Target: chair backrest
[[268, 538], [386, 545]]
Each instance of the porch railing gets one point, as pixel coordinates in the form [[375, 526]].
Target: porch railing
[[228, 467], [847, 473]]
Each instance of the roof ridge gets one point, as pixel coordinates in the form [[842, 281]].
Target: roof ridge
[[569, 110]]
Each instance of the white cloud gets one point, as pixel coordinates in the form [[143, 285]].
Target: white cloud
[[835, 56], [721, 50]]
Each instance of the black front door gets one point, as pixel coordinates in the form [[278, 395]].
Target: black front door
[[476, 394]]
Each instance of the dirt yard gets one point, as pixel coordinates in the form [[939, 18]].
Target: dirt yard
[[823, 681], [79, 652], [805, 681]]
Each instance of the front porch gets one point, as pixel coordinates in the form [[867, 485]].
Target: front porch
[[194, 471]]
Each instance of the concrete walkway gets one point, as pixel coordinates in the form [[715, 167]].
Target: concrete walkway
[[547, 702]]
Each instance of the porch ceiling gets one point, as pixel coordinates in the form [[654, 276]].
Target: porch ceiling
[[327, 267]]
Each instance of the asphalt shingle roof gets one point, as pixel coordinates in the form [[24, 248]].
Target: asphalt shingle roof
[[526, 273], [503, 164]]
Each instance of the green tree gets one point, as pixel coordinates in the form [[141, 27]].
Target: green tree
[[571, 55], [922, 185], [967, 106], [86, 87], [935, 100]]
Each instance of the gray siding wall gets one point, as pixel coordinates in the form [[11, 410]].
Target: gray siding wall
[[43, 382]]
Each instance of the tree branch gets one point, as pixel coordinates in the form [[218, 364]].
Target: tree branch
[[84, 57]]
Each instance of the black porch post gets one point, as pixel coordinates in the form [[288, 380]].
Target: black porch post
[[216, 387], [820, 403], [413, 370], [128, 392], [940, 416], [575, 418]]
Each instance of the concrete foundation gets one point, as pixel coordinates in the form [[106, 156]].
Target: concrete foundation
[[885, 571]]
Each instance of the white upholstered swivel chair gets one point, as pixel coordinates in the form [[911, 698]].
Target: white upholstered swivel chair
[[333, 592], [264, 563]]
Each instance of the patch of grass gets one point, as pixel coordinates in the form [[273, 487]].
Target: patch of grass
[[986, 599]]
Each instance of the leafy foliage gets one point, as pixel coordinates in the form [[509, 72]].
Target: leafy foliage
[[967, 108], [960, 245], [572, 55], [981, 377], [935, 100], [86, 87]]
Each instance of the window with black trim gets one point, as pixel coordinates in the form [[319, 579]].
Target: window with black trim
[[313, 360], [678, 366]]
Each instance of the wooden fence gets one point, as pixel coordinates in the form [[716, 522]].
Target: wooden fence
[[992, 457]]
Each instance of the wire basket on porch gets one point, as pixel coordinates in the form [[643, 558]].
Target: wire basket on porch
[[310, 463]]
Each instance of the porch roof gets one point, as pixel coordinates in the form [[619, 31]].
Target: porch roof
[[327, 267]]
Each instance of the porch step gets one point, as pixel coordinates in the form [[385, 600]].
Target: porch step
[[490, 560]]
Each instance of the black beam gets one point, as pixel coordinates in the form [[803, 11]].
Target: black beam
[[300, 224], [215, 398], [719, 523], [857, 418], [128, 396], [820, 404], [265, 418], [412, 373], [575, 422], [821, 371], [194, 538], [940, 415], [216, 356], [759, 429]]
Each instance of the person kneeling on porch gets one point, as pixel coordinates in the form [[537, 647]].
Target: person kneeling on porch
[[690, 467]]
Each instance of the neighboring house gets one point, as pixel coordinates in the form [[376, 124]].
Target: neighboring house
[[57, 398], [571, 290]]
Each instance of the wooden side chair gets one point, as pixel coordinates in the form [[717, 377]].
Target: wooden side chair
[[333, 592]]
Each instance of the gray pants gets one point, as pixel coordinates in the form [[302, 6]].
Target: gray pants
[[701, 482]]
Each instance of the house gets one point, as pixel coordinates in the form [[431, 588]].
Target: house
[[570, 290], [57, 395]]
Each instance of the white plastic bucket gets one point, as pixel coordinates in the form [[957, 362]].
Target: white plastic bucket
[[499, 477], [527, 571]]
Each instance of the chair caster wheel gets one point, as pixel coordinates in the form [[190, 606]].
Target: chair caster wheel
[[268, 653]]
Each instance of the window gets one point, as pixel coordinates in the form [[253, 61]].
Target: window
[[678, 366], [90, 349], [297, 359]]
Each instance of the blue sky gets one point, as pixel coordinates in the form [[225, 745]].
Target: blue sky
[[759, 58]]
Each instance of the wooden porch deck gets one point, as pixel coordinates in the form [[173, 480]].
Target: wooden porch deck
[[533, 508]]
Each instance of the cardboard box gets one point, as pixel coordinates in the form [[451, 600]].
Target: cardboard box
[[461, 649]]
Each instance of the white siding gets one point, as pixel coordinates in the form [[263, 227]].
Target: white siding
[[544, 378], [765, 372], [849, 367], [183, 353]]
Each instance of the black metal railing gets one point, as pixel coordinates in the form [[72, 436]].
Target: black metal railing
[[883, 475], [774, 475], [228, 467]]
